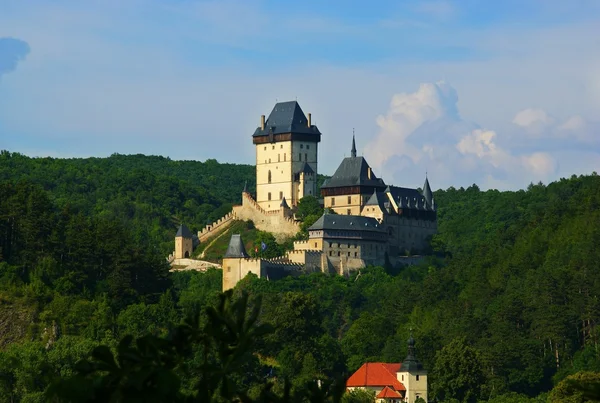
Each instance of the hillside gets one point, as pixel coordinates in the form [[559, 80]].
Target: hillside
[[508, 314]]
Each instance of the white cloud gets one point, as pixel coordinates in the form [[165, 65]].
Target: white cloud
[[424, 131]]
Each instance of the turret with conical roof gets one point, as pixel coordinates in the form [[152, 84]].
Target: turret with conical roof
[[427, 193], [353, 150]]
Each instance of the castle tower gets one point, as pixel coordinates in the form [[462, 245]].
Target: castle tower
[[412, 375], [233, 262], [183, 243], [286, 156]]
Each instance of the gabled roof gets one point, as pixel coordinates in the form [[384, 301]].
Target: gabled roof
[[286, 117], [377, 199], [346, 223], [236, 247], [183, 232], [306, 169], [353, 171], [388, 393], [376, 374]]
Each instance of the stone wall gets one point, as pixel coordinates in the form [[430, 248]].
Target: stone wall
[[216, 227], [279, 222]]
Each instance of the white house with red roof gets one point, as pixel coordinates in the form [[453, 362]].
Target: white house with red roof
[[393, 382]]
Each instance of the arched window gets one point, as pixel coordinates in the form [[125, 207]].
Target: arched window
[[269, 179]]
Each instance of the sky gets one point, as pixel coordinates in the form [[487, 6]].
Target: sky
[[500, 94]]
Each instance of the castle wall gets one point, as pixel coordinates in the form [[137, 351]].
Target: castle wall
[[216, 227], [279, 222]]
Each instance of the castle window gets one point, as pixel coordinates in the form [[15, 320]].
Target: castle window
[[300, 156], [307, 147], [273, 147], [269, 160], [305, 157], [280, 195], [265, 148], [349, 199], [269, 180], [315, 244], [348, 254], [348, 211], [278, 158], [417, 377], [333, 201], [339, 253], [402, 378], [355, 254], [269, 196], [281, 146], [284, 157], [301, 145]]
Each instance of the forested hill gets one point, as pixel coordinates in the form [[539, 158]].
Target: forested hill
[[511, 310], [150, 194]]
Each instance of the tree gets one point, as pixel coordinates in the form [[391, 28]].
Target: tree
[[457, 372]]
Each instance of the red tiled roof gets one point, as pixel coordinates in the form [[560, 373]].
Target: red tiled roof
[[376, 374], [388, 392]]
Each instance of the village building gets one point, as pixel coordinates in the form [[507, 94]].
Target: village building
[[404, 382]]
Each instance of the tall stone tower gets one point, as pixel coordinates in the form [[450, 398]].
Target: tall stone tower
[[286, 156], [184, 243]]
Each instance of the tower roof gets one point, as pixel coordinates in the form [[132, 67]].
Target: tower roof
[[353, 150], [411, 363], [427, 192], [284, 203], [183, 232], [236, 247], [287, 117], [354, 171]]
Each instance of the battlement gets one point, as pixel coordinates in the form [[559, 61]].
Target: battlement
[[216, 227]]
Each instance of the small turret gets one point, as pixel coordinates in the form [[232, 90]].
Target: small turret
[[427, 192], [353, 150]]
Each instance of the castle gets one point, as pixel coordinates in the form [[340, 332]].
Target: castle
[[366, 221]]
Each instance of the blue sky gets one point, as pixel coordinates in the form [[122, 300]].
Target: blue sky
[[495, 93]]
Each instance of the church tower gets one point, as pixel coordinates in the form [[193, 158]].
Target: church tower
[[412, 375], [286, 156]]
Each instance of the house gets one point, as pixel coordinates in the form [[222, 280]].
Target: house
[[393, 382]]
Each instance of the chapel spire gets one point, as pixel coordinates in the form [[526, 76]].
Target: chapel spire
[[353, 151]]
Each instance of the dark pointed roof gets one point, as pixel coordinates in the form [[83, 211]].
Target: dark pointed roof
[[427, 192], [353, 171], [183, 232], [287, 117], [353, 150], [284, 203], [411, 363], [306, 169], [400, 196], [377, 199], [346, 223], [236, 247]]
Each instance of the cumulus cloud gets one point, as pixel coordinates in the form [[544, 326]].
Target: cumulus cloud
[[12, 51], [423, 131]]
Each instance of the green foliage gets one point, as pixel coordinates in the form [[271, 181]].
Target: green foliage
[[359, 396], [458, 372], [578, 388]]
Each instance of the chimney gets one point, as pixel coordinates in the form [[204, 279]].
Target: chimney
[[309, 124], [369, 172], [262, 122]]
